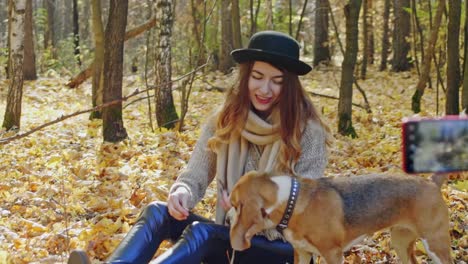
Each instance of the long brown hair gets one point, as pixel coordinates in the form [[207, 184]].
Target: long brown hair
[[295, 108]]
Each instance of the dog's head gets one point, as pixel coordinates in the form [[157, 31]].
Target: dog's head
[[250, 196]]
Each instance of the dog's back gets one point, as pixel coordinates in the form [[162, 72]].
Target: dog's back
[[377, 200]]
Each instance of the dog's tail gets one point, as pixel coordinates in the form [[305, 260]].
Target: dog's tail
[[439, 178]]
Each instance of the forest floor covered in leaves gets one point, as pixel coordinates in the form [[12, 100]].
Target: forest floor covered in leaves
[[62, 188]]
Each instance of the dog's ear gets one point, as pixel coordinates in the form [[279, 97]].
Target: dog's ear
[[254, 229]]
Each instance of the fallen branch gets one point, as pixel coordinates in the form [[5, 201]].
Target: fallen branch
[[4, 141], [336, 98], [85, 74]]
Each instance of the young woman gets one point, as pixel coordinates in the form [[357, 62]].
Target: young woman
[[267, 123]]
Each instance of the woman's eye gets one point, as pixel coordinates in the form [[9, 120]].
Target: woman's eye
[[278, 81], [256, 77]]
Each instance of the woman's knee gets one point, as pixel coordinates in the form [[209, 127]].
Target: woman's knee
[[206, 231], [155, 213]]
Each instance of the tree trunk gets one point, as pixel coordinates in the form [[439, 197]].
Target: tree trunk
[[29, 68], [76, 32], [88, 72], [453, 58], [225, 60], [290, 11], [12, 118], [385, 35], [321, 45], [49, 37], [98, 64], [198, 30], [426, 65], [345, 126], [10, 14], [253, 16], [236, 28], [370, 31], [464, 101], [166, 114], [365, 39], [269, 15], [301, 18], [113, 127], [401, 34]]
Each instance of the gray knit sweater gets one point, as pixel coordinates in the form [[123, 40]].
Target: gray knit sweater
[[201, 168]]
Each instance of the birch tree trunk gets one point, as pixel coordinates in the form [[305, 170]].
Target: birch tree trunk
[[112, 122], [76, 32], [166, 114], [426, 65], [12, 118], [345, 126]]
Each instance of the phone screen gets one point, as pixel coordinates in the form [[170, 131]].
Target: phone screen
[[435, 145]]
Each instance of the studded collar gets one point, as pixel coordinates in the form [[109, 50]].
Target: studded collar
[[293, 194]]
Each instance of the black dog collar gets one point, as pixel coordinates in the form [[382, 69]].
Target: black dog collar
[[294, 193]]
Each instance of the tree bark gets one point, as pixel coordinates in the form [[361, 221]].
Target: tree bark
[[166, 114], [464, 101], [29, 68], [365, 39], [236, 28], [321, 45], [370, 31], [453, 58], [49, 37], [385, 36], [401, 33], [98, 64], [85, 74], [426, 65], [113, 127], [345, 126], [76, 32], [269, 15], [301, 18], [12, 117], [225, 60]]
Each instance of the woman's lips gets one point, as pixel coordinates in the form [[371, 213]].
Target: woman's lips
[[263, 100]]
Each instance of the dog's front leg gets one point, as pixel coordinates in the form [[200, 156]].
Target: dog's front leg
[[302, 257]]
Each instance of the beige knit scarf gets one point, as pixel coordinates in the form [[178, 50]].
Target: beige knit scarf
[[231, 157]]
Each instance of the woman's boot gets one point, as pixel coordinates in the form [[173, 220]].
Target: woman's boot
[[154, 225]]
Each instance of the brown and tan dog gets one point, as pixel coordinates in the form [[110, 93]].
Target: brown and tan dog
[[333, 214]]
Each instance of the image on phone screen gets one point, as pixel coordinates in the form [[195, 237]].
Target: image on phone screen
[[436, 145]]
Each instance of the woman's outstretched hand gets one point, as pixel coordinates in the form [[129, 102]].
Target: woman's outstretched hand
[[225, 202], [177, 203]]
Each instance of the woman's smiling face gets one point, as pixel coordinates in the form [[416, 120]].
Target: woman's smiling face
[[265, 83]]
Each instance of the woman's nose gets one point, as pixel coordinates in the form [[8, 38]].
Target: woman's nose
[[265, 87]]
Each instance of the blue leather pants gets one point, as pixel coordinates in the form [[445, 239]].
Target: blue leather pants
[[198, 241]]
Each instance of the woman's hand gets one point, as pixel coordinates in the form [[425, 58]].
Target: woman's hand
[[225, 202], [177, 203]]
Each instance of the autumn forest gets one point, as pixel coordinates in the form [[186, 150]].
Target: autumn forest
[[102, 101]]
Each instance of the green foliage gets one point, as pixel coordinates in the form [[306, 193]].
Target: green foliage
[[40, 19]]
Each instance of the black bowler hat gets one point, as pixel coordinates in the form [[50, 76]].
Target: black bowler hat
[[273, 47]]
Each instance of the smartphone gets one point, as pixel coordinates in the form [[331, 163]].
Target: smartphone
[[435, 145]]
